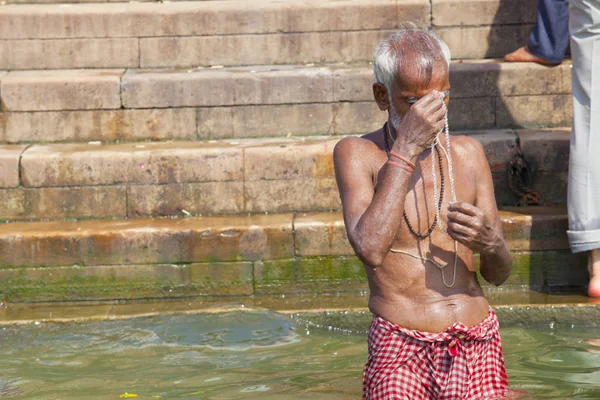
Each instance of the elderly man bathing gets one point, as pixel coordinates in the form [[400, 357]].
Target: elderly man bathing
[[433, 334]]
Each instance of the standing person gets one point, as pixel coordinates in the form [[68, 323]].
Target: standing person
[[549, 37], [433, 334], [584, 163]]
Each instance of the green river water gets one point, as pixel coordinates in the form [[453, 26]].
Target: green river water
[[251, 355]]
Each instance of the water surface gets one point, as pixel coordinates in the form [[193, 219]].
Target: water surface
[[250, 355]]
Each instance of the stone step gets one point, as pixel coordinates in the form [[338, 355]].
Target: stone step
[[253, 255], [262, 101], [240, 32], [179, 178]]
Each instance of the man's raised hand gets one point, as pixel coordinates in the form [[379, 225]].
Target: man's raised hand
[[421, 124]]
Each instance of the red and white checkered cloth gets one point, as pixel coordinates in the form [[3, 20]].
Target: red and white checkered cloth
[[459, 363]]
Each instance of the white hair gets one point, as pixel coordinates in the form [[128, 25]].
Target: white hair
[[412, 47]]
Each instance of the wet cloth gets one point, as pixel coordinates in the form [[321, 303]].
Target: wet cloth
[[459, 363], [584, 163]]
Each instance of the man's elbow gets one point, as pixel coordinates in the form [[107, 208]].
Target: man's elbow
[[369, 256], [497, 278]]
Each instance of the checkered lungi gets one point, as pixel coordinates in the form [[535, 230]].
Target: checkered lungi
[[459, 363]]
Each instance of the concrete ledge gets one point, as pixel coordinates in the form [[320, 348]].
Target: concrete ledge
[[127, 282], [157, 258], [231, 177], [233, 17], [147, 241], [525, 229], [261, 101]]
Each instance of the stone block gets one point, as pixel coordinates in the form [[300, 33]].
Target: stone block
[[265, 121], [182, 162], [281, 48], [220, 88], [471, 113], [546, 149], [353, 84], [140, 163], [534, 111], [306, 275], [474, 79], [321, 234], [61, 203], [104, 125], [357, 118], [535, 228], [218, 123], [179, 199], [147, 241], [282, 120], [484, 42], [61, 90], [518, 79], [220, 279], [483, 12], [9, 165], [290, 160], [292, 195], [69, 53]]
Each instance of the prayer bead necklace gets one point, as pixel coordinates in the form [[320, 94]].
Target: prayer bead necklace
[[435, 196], [438, 206]]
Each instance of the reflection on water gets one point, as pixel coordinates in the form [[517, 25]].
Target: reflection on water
[[250, 355]]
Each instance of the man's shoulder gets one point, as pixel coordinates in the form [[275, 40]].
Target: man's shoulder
[[355, 145], [465, 145]]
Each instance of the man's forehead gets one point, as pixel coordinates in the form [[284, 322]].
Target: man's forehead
[[416, 77]]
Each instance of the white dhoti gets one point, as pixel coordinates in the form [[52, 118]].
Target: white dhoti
[[584, 162]]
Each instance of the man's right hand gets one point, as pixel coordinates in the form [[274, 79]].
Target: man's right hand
[[421, 125]]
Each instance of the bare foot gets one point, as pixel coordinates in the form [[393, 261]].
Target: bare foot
[[523, 55], [594, 270]]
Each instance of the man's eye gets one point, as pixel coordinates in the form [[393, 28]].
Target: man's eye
[[413, 99]]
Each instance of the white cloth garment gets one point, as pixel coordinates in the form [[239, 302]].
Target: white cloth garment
[[584, 162]]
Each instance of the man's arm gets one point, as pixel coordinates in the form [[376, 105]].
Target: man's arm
[[479, 226], [373, 214]]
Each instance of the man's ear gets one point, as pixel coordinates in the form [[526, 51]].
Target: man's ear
[[381, 96]]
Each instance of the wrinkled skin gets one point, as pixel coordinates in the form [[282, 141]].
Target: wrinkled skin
[[406, 290]]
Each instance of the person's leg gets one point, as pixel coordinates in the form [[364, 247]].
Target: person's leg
[[549, 37], [584, 162]]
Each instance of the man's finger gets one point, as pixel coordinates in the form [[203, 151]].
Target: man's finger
[[459, 237], [461, 218], [461, 229], [430, 100], [465, 208]]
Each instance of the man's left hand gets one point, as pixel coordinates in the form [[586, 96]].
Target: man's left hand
[[468, 225]]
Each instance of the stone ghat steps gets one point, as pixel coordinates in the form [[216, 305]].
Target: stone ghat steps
[[243, 32], [260, 101], [130, 180], [302, 254]]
